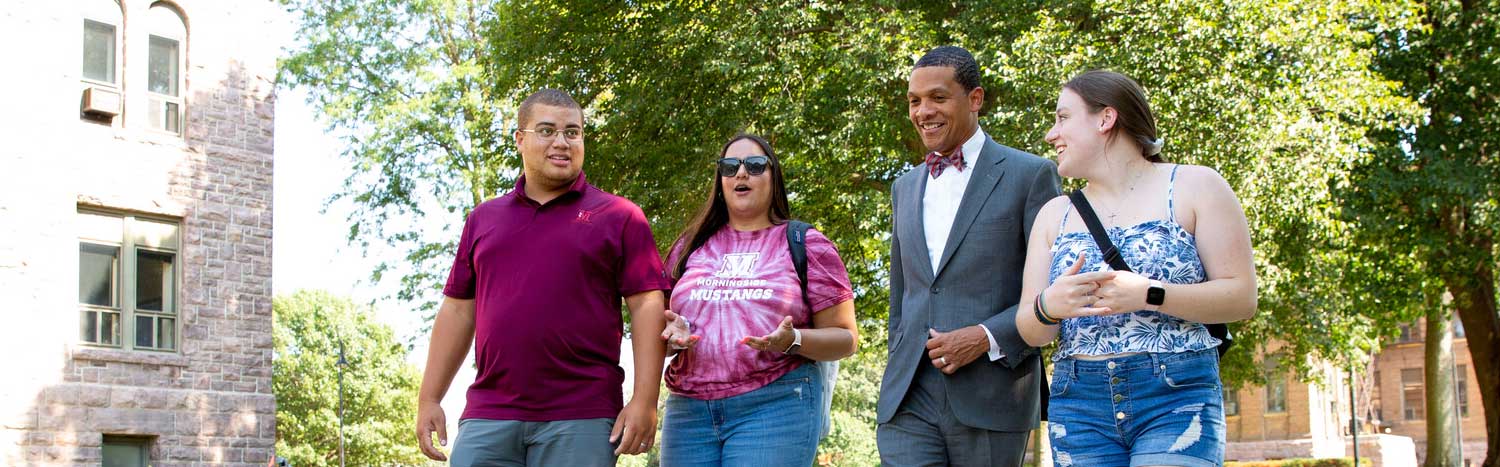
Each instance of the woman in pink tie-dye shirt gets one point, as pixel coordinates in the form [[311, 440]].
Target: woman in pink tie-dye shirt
[[743, 389]]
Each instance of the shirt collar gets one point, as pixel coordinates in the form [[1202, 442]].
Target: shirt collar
[[580, 185], [973, 146]]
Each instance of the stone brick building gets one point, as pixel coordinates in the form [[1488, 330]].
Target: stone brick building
[[1291, 418], [135, 232]]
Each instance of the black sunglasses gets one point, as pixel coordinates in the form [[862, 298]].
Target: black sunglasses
[[754, 165]]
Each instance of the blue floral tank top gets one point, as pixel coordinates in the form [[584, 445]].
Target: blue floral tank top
[[1158, 249]]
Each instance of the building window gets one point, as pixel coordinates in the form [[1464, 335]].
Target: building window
[[120, 451], [164, 69], [1458, 328], [127, 281], [1412, 403], [1375, 400], [1231, 402], [1276, 394], [1461, 384], [101, 41], [1275, 385], [1409, 333], [100, 61]]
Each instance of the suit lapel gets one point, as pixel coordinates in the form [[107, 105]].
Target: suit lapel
[[987, 173], [913, 227]]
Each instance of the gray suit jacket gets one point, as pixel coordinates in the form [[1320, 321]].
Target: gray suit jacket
[[978, 281]]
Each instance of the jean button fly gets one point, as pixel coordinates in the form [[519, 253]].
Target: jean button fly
[[1119, 415]]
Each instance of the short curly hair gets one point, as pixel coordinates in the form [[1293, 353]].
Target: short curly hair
[[965, 69]]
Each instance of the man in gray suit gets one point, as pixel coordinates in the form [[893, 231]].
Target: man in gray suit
[[960, 387]]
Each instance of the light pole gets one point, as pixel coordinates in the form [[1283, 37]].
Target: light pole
[[341, 364], [1353, 416], [1458, 416]]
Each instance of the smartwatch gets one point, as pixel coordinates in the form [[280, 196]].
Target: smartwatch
[[1155, 295], [796, 343]]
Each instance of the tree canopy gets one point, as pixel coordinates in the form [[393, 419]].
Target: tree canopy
[[379, 387]]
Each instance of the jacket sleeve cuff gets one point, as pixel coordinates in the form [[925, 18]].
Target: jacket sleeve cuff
[[1013, 349]]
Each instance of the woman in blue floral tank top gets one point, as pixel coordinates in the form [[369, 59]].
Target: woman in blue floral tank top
[[1135, 378]]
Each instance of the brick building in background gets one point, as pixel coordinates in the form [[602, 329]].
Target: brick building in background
[[135, 232], [1290, 419]]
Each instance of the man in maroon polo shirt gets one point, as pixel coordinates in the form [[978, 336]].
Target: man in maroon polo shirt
[[537, 284]]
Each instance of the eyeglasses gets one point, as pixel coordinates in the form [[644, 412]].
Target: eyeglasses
[[547, 133], [754, 165]]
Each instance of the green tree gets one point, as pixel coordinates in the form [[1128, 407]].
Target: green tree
[[379, 387], [401, 83], [1434, 190]]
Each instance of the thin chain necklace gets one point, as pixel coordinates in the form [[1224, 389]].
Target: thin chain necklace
[[1113, 213]]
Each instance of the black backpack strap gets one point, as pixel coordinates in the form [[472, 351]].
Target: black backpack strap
[[1106, 247], [1111, 254], [796, 242]]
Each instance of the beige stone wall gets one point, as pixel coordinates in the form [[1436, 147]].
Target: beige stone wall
[[210, 401], [1396, 357], [1310, 428]]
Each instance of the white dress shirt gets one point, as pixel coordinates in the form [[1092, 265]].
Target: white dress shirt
[[940, 206]]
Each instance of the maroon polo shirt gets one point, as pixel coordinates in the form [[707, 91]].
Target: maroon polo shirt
[[547, 281]]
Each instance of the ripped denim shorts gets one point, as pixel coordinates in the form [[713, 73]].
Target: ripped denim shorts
[[1138, 410]]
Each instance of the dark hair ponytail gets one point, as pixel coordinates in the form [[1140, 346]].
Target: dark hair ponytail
[[1104, 88]]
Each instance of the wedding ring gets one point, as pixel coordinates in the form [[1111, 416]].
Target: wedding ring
[[943, 360]]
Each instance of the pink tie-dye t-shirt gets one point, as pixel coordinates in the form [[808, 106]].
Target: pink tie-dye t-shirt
[[741, 284]]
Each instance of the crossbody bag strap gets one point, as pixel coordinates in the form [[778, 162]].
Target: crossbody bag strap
[[1106, 247]]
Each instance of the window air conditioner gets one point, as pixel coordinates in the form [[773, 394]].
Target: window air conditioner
[[101, 101]]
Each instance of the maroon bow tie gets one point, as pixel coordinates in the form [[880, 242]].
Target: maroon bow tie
[[936, 162]]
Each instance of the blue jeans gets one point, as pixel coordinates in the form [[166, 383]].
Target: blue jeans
[[1147, 409], [776, 425]]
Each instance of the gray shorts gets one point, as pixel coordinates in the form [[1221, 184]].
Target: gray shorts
[[513, 443]]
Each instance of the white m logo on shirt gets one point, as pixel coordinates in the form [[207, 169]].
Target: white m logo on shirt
[[737, 265]]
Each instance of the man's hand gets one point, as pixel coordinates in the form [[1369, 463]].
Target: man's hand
[[777, 341], [430, 418], [679, 334], [635, 428], [952, 350]]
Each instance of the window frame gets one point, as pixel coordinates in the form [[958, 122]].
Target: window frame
[[158, 102], [115, 63], [116, 294], [127, 281], [1231, 403], [141, 445], [1377, 401], [1277, 381], [168, 312], [165, 20], [1461, 385], [1418, 412], [1275, 384]]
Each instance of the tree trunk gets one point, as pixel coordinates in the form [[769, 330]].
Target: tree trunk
[[1474, 298], [1444, 449]]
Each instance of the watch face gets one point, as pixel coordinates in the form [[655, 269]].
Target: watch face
[[1156, 295]]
